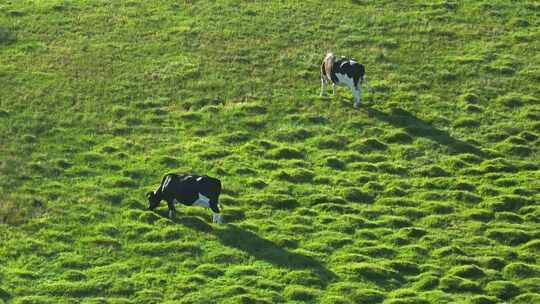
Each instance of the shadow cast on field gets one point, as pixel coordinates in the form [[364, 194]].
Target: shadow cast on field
[[259, 247], [419, 128]]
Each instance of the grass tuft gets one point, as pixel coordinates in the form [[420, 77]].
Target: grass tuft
[[509, 236], [286, 153], [296, 175], [398, 137], [300, 293], [368, 145], [335, 163], [521, 271], [358, 196], [372, 273], [468, 271], [456, 284], [503, 290], [483, 300]]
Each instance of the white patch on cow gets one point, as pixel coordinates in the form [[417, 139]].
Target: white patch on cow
[[345, 80], [202, 201], [216, 218], [199, 178], [166, 182]]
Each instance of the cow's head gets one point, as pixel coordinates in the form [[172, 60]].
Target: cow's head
[[153, 200]]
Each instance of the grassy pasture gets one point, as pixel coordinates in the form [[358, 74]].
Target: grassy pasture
[[429, 193]]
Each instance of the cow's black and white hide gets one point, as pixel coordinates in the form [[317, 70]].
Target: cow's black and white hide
[[190, 190], [343, 71]]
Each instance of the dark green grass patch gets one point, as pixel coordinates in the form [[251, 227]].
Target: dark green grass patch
[[483, 300], [293, 135], [532, 246], [514, 100], [521, 271], [503, 290], [280, 201], [527, 298], [468, 271], [358, 196], [296, 175], [509, 236], [376, 274], [454, 284], [236, 137], [433, 171], [166, 248], [398, 137], [286, 153], [508, 203], [211, 154], [336, 143], [18, 209], [426, 282], [479, 215], [466, 123], [368, 145], [301, 293], [335, 163]]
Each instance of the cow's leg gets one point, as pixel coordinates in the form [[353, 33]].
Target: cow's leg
[[216, 217], [209, 202], [356, 93], [334, 88], [323, 79], [323, 86], [172, 210], [214, 202]]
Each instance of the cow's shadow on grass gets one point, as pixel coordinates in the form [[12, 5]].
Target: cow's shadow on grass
[[419, 128], [192, 222], [259, 247]]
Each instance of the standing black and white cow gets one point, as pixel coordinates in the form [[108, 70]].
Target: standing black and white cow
[[188, 189], [343, 71]]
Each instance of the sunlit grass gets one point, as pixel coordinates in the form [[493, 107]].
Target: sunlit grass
[[426, 194]]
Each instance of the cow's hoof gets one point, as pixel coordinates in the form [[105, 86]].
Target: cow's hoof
[[217, 219]]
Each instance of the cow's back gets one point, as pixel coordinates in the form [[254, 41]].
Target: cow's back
[[178, 186], [208, 185], [186, 187]]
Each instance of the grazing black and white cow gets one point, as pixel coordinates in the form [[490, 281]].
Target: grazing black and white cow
[[343, 71], [188, 189]]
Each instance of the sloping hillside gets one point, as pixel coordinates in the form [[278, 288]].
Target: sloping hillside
[[428, 193]]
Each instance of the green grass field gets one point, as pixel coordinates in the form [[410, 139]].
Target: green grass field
[[428, 193]]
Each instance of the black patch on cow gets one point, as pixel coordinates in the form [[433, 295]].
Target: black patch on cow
[[348, 67]]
